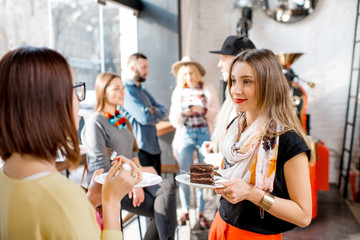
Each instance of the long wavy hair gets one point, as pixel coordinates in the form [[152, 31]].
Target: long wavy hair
[[181, 82], [101, 83], [272, 91]]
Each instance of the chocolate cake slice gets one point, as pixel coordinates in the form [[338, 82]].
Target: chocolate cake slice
[[202, 173]]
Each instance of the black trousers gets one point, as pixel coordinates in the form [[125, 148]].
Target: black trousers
[[160, 205], [146, 159]]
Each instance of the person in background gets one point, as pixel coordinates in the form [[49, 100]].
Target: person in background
[[194, 105], [39, 103], [143, 111], [266, 155], [107, 130], [232, 46]]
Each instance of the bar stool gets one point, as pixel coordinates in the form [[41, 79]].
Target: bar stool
[[129, 218]]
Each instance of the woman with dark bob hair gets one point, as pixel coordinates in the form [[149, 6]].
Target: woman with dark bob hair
[[266, 155], [39, 103]]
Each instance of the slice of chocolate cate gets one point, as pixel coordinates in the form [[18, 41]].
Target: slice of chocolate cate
[[202, 173]]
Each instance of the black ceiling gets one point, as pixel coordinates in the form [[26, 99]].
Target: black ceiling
[[134, 4]]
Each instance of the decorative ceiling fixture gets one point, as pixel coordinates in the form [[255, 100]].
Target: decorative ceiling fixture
[[288, 11], [244, 23]]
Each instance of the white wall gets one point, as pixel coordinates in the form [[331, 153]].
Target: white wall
[[325, 37]]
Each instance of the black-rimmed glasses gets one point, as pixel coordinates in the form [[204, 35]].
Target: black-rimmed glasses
[[80, 90]]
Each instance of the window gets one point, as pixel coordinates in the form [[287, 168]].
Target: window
[[93, 37], [89, 35]]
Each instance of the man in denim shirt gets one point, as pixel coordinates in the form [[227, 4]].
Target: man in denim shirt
[[143, 111]]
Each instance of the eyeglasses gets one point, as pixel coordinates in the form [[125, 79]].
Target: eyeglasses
[[80, 91]]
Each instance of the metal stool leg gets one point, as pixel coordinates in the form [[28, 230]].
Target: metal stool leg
[[121, 223], [129, 220], [138, 218], [177, 233]]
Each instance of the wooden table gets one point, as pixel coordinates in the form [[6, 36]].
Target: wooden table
[[164, 127]]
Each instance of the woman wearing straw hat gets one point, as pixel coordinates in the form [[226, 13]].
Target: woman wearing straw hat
[[194, 105]]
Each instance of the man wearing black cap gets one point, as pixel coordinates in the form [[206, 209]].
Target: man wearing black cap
[[232, 46]]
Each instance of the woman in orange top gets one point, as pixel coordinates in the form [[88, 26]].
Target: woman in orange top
[[266, 155]]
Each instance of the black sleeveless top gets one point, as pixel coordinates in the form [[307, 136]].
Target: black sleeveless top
[[246, 215]]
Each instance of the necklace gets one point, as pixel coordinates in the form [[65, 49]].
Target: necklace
[[117, 120]]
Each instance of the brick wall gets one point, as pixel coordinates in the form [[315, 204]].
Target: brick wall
[[325, 37]]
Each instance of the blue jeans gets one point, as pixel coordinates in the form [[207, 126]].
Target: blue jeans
[[189, 140]]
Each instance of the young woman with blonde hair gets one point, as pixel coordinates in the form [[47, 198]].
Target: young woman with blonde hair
[[266, 155]]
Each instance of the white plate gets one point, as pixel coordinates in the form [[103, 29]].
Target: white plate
[[148, 179], [185, 178]]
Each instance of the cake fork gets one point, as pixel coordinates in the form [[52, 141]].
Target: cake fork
[[109, 153]]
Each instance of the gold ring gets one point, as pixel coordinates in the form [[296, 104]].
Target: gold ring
[[224, 191]]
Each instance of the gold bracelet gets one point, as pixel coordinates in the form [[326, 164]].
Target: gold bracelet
[[267, 201]]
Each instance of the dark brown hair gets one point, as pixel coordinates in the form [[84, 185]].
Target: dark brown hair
[[36, 108], [132, 60]]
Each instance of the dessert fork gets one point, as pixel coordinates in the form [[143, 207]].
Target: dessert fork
[[110, 153], [184, 172]]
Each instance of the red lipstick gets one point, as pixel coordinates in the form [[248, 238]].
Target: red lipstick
[[239, 100]]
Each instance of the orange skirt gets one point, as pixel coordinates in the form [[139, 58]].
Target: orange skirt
[[220, 230]]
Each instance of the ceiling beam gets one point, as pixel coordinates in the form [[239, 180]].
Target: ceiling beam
[[135, 5]]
